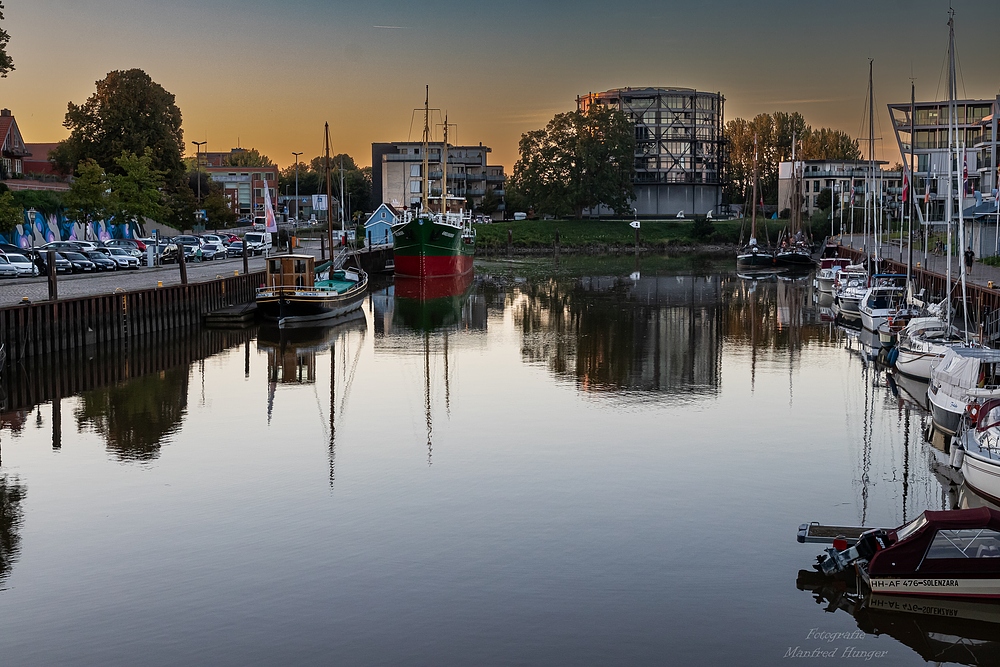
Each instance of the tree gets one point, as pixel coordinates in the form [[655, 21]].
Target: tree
[[578, 161], [312, 180], [136, 192], [247, 157], [87, 199], [128, 113], [11, 214], [44, 201], [829, 144], [824, 199], [6, 62]]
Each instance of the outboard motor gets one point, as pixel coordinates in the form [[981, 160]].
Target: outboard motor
[[836, 561]]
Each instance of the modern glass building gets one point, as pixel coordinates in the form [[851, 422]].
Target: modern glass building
[[680, 147]]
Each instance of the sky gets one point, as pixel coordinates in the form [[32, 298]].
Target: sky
[[267, 75]]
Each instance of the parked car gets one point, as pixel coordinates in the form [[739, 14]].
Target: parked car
[[235, 249], [233, 238], [79, 261], [129, 245], [59, 246], [167, 252], [24, 266], [86, 246], [213, 251], [7, 270], [212, 238], [257, 243], [125, 259], [41, 261], [101, 261]]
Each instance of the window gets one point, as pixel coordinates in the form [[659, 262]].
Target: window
[[967, 543], [414, 187], [258, 192], [415, 170]]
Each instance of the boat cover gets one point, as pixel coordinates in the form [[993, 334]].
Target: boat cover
[[960, 366], [907, 556]]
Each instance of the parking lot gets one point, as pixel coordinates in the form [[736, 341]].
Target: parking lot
[[13, 290]]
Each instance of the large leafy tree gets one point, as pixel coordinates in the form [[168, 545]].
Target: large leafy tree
[[248, 158], [578, 161], [128, 113], [136, 192], [10, 213], [87, 199], [6, 62], [774, 134]]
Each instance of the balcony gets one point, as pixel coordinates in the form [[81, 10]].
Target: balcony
[[475, 192], [495, 178], [435, 175], [456, 175]]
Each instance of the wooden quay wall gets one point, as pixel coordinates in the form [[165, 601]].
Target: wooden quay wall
[[46, 327]]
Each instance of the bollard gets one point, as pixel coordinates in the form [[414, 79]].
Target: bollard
[[159, 283], [53, 283], [235, 272], [182, 263]]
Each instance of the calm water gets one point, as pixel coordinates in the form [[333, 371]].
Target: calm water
[[605, 467]]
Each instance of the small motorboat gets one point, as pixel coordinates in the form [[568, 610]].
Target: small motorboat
[[952, 554], [829, 267], [849, 288], [885, 300], [976, 450], [297, 292], [923, 343]]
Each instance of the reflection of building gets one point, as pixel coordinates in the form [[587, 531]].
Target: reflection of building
[[658, 334], [397, 177], [679, 152]]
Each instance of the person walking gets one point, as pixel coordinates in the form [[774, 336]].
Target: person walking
[[970, 257]]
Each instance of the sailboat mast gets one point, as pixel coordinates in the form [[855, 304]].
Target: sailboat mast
[[871, 152], [753, 217], [425, 149], [329, 190], [910, 194], [343, 218], [951, 139], [796, 189], [444, 172]]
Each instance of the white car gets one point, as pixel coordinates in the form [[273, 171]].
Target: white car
[[24, 266], [124, 258], [7, 270]]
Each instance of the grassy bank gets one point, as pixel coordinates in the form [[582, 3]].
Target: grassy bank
[[609, 235]]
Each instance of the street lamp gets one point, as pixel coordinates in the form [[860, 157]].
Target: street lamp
[[296, 184], [197, 169]]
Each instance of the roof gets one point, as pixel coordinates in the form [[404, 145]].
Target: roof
[[40, 151], [10, 136]]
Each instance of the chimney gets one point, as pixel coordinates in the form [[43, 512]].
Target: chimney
[[5, 113]]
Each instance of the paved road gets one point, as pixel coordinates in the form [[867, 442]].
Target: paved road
[[980, 274], [36, 289]]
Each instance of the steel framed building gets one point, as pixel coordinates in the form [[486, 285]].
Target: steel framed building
[[680, 147]]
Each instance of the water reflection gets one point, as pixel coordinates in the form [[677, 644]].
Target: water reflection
[[135, 416], [939, 630], [12, 495], [293, 355]]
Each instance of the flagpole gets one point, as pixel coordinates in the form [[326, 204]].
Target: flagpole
[[909, 193]]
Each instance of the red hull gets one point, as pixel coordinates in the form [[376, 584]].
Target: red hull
[[431, 266]]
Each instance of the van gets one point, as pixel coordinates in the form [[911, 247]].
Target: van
[[257, 243], [259, 224], [520, 216]]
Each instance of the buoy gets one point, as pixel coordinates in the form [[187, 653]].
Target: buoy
[[957, 457]]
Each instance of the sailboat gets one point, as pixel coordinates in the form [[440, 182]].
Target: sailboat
[[752, 256], [794, 252], [431, 243], [297, 292]]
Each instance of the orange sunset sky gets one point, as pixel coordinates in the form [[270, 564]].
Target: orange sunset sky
[[268, 74]]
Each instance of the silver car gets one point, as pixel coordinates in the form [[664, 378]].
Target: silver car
[[124, 258], [7, 270], [24, 266]]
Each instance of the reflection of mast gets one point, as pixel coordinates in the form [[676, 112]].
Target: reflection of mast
[[333, 412], [427, 392], [447, 383], [866, 442], [906, 459]]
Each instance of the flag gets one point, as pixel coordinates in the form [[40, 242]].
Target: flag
[[271, 224], [927, 193], [906, 187], [965, 173]]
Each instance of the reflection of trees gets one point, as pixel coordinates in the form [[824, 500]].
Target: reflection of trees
[[12, 494], [134, 416], [619, 334]]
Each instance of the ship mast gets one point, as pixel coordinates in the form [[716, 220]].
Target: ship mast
[[444, 172], [427, 138], [753, 216], [329, 191]]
